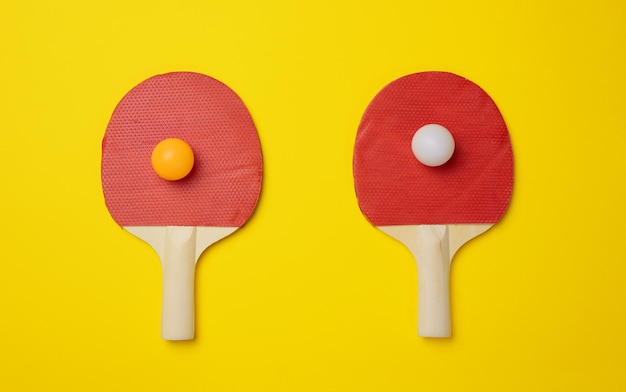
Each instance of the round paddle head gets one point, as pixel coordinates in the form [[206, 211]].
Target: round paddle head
[[394, 188], [223, 187]]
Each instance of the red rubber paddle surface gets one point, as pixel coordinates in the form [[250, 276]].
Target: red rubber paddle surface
[[224, 184], [394, 188]]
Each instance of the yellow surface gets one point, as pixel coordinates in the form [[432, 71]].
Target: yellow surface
[[308, 296]]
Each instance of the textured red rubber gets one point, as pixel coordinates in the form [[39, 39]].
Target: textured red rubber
[[224, 185], [393, 188]]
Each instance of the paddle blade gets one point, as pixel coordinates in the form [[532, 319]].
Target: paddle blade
[[224, 184], [394, 188]]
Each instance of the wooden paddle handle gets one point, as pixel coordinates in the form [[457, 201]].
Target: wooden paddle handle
[[433, 268], [179, 265]]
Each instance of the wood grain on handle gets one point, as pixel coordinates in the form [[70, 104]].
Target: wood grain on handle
[[433, 270], [179, 248], [433, 247], [179, 265]]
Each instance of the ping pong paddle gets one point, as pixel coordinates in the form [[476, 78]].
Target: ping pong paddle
[[433, 209], [181, 218]]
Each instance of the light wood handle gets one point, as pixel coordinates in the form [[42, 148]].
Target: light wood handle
[[433, 268], [179, 248], [433, 247], [179, 265]]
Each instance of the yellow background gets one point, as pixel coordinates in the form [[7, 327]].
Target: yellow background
[[308, 296]]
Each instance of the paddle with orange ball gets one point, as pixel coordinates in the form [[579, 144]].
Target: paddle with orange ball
[[181, 169], [433, 168]]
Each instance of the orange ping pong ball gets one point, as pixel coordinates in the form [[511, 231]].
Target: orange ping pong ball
[[172, 159]]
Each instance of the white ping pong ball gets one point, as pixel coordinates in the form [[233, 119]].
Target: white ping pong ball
[[432, 145]]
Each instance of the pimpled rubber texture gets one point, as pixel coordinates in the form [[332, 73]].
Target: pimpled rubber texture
[[394, 188], [224, 185]]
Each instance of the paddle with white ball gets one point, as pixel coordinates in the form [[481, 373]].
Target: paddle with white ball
[[181, 169], [433, 168]]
